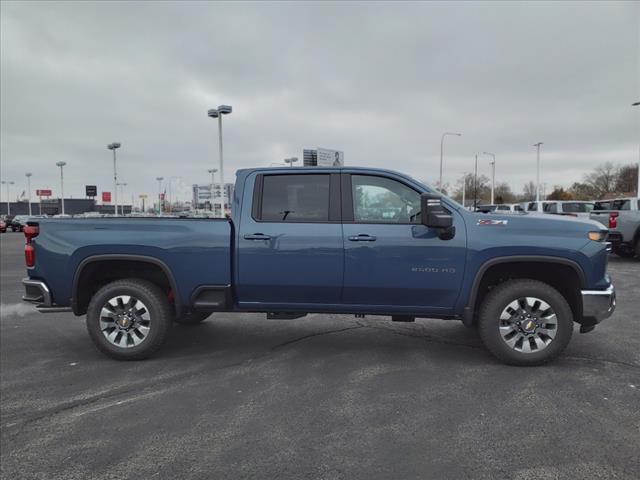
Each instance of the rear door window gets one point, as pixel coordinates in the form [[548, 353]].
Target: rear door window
[[295, 198]]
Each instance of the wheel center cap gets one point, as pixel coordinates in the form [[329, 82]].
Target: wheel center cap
[[124, 322], [528, 326]]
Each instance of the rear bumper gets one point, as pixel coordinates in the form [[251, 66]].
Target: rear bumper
[[598, 305], [614, 237], [37, 292]]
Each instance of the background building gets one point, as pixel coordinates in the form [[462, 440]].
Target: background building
[[202, 196]]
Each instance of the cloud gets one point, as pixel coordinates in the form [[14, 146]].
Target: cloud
[[380, 81]]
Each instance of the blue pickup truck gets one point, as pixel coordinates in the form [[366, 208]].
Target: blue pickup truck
[[327, 240]]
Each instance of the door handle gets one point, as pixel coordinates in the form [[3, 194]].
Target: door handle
[[363, 237], [257, 236]]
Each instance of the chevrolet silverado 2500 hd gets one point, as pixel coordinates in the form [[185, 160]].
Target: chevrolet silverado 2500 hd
[[327, 240]]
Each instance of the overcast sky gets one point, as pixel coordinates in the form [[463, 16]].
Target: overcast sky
[[380, 81]]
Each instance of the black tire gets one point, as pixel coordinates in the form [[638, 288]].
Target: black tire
[[192, 318], [500, 297], [159, 311]]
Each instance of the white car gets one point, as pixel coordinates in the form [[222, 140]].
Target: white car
[[573, 208]]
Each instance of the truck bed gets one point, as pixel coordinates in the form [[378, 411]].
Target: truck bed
[[197, 251]]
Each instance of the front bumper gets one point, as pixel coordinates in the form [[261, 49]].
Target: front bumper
[[598, 305]]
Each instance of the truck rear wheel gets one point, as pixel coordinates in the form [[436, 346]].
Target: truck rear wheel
[[525, 322], [129, 319], [192, 318]]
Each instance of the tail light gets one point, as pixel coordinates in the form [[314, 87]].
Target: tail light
[[613, 219], [30, 232]]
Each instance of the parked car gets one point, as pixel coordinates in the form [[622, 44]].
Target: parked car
[[573, 208], [500, 208], [327, 240], [18, 222], [3, 226], [622, 217]]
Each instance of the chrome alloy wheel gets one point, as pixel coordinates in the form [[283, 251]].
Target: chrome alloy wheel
[[125, 321], [528, 325]]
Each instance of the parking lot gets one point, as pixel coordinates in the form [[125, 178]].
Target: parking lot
[[325, 396]]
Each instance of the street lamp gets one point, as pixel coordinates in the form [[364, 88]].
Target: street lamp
[[218, 113], [441, 150], [61, 164], [7, 183], [475, 187], [212, 171], [113, 146], [123, 184], [537, 145], [635, 104], [493, 174], [159, 179], [291, 161], [28, 175]]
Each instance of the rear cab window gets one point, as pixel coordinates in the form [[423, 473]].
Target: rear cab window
[[294, 198]]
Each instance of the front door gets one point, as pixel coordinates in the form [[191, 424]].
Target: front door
[[290, 245], [390, 258]]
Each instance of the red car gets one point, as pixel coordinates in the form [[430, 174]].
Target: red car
[[3, 226]]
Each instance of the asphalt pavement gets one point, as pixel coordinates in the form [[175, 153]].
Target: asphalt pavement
[[325, 396]]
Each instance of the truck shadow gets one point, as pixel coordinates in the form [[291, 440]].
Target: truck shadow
[[255, 337]]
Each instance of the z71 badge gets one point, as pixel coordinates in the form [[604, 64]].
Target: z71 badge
[[490, 222]]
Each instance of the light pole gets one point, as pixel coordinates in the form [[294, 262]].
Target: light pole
[[635, 104], [7, 183], [537, 145], [61, 164], [475, 187], [113, 146], [290, 161], [493, 174], [212, 171], [123, 184], [28, 175], [159, 179], [441, 152], [464, 187], [218, 113]]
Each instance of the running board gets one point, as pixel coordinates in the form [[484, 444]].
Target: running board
[[284, 315], [54, 309]]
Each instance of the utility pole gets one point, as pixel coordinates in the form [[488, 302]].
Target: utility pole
[[113, 146], [159, 179], [218, 113], [7, 183], [537, 145]]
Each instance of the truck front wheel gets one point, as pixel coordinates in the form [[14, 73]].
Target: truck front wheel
[[525, 322], [129, 319]]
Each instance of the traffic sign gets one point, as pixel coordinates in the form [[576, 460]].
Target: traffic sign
[[142, 195], [91, 190], [43, 193]]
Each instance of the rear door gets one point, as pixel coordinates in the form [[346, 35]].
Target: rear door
[[390, 258], [290, 243]]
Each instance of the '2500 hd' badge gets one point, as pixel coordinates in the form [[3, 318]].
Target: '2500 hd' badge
[[490, 222]]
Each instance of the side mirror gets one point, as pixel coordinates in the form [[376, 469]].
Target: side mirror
[[433, 214]]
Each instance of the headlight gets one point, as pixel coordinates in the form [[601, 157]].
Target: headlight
[[597, 236]]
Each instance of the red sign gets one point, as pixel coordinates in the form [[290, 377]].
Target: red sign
[[106, 196], [43, 193]]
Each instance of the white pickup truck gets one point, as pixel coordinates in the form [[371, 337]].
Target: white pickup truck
[[622, 217]]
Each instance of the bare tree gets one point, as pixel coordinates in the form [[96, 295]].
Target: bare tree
[[627, 180], [603, 179], [529, 192]]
